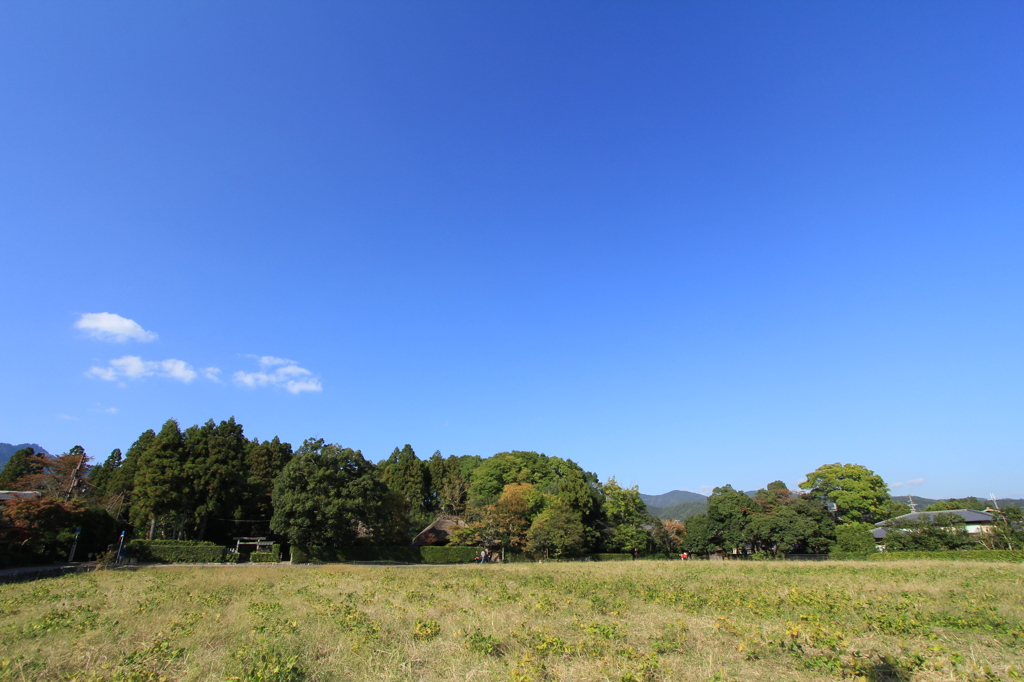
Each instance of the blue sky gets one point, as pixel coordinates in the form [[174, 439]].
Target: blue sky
[[684, 244]]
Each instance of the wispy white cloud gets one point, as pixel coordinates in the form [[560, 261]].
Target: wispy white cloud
[[68, 417], [111, 410], [111, 327], [134, 367], [211, 373], [287, 374], [912, 483], [270, 361]]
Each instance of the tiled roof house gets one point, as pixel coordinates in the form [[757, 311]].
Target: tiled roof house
[[975, 521]]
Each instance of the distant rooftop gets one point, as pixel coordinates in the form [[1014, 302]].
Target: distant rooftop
[[18, 494], [968, 515]]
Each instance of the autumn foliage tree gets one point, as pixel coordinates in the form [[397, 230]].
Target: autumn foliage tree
[[35, 524]]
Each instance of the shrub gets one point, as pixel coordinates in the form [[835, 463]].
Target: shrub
[[176, 552], [855, 537], [610, 556], [11, 557], [263, 557], [449, 555], [403, 555], [299, 556]]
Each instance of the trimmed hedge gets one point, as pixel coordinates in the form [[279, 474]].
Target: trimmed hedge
[[176, 552], [273, 555], [609, 556], [402, 555], [954, 555], [10, 558], [449, 555]]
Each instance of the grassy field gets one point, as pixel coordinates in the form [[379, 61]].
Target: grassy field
[[626, 621]]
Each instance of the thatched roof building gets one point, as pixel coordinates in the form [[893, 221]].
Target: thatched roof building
[[437, 532]]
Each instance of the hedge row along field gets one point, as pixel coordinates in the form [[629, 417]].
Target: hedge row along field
[[622, 621]]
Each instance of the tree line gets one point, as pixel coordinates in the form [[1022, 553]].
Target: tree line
[[211, 482]]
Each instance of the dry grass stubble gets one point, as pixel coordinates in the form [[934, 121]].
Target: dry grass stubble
[[629, 622]]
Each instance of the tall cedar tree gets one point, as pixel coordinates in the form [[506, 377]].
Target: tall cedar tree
[[264, 461], [100, 477], [450, 480], [405, 474], [122, 483], [215, 469], [160, 486]]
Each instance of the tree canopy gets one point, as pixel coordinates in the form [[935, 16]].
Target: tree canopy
[[328, 496], [858, 493]]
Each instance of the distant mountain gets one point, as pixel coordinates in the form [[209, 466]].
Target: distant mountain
[[6, 450], [671, 498], [679, 512], [681, 504], [923, 502], [677, 504]]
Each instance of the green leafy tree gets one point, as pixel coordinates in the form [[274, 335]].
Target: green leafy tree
[[701, 535], [783, 530], [858, 493], [494, 473], [568, 483], [855, 536], [822, 535], [557, 531], [507, 521], [730, 510], [626, 515], [22, 464], [774, 494], [1007, 531], [328, 496]]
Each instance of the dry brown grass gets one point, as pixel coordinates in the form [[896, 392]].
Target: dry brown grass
[[615, 621]]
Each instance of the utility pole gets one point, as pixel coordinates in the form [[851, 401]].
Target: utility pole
[[913, 505], [74, 478]]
